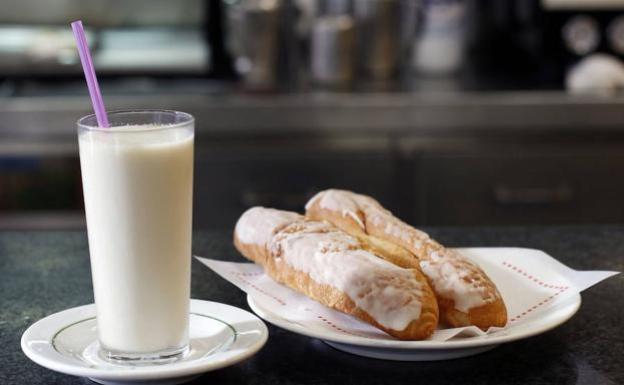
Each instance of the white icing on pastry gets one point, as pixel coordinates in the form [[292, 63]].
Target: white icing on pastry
[[394, 227], [258, 224], [451, 274], [389, 294], [335, 200], [349, 203], [456, 278]]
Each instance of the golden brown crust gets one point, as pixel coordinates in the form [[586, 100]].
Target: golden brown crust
[[255, 253], [407, 248], [418, 329], [280, 271]]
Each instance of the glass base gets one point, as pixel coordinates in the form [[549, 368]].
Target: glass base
[[79, 342], [161, 357]]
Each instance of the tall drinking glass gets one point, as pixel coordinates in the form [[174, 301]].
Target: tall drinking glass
[[137, 179]]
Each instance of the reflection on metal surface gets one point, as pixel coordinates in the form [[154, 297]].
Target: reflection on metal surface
[[581, 34]]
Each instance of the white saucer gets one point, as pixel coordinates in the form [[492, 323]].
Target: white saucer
[[220, 335], [391, 349]]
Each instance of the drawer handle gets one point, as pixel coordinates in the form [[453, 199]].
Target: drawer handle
[[506, 195]]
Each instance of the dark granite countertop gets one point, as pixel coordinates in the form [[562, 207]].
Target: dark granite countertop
[[45, 272]]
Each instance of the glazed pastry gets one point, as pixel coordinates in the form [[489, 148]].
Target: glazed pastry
[[335, 269], [465, 294]]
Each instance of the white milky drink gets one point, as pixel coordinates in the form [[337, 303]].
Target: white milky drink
[[137, 184]]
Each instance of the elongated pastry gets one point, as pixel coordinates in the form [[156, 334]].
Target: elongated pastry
[[465, 294], [335, 269]]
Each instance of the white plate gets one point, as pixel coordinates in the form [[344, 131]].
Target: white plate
[[220, 335], [510, 281], [424, 350]]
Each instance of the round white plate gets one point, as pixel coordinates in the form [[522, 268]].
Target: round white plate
[[220, 335], [391, 349]]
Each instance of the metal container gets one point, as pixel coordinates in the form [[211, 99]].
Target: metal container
[[379, 36], [440, 45], [253, 29], [332, 50]]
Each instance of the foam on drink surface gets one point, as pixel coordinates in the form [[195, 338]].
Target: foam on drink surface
[[137, 135]]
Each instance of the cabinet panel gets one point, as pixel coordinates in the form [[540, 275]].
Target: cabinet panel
[[522, 188], [229, 181], [35, 183]]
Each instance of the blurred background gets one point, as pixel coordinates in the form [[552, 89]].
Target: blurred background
[[450, 112]]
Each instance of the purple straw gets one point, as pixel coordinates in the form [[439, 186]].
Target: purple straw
[[89, 72]]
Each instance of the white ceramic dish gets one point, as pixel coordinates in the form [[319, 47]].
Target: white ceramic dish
[[501, 264], [425, 350], [220, 335]]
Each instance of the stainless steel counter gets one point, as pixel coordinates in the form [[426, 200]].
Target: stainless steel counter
[[46, 121]]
